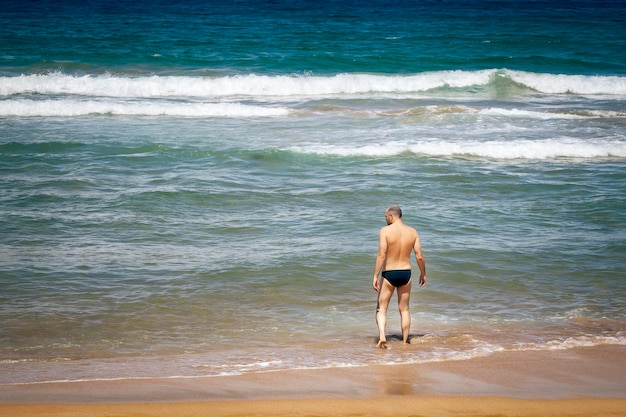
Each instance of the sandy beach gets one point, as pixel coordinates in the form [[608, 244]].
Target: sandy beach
[[579, 382]]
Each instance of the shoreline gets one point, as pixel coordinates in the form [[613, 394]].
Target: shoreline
[[588, 381]]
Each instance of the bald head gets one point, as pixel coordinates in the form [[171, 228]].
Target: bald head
[[395, 211]]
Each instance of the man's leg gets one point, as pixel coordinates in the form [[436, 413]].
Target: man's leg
[[386, 291], [404, 293]]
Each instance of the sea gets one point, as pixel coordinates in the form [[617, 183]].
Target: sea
[[195, 188]]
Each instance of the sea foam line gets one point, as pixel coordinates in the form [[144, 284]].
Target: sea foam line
[[253, 85], [506, 150], [480, 349], [72, 108]]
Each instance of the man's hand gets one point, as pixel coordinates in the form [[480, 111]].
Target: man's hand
[[422, 280], [376, 284]]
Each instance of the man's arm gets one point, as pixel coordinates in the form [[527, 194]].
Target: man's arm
[[419, 257], [381, 258]]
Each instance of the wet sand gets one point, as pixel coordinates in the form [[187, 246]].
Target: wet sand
[[579, 382]]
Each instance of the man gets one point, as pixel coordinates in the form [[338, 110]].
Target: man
[[396, 242]]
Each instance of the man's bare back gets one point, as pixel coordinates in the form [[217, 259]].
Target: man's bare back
[[400, 240]]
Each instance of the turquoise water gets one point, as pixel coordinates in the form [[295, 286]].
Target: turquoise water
[[195, 190]]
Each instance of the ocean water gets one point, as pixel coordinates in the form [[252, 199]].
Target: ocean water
[[197, 189]]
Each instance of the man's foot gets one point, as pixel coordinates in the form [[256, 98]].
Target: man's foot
[[382, 344]]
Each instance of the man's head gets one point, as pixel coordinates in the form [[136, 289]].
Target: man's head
[[393, 211]]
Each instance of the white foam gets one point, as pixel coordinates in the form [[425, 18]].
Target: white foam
[[252, 85], [73, 108], [237, 85], [574, 342], [576, 84], [514, 149], [528, 114]]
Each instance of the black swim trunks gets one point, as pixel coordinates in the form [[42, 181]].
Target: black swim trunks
[[398, 277]]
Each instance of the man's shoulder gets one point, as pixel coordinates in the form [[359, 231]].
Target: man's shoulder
[[410, 230], [385, 229], [397, 229]]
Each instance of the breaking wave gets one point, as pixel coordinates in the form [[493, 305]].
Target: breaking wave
[[252, 85]]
